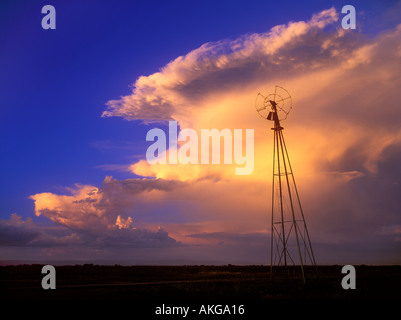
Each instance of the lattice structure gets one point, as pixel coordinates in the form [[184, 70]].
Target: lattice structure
[[291, 247]]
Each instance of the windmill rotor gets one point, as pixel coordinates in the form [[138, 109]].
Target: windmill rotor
[[274, 106]]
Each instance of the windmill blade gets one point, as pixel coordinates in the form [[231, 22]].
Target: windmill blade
[[259, 94], [282, 99], [261, 108]]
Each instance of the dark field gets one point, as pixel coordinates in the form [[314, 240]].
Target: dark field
[[197, 283]]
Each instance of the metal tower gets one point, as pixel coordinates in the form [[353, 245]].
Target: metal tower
[[291, 247]]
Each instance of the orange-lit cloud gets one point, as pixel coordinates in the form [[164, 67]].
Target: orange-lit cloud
[[184, 83], [99, 215], [343, 137]]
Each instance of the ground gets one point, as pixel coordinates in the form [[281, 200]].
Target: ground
[[151, 286]]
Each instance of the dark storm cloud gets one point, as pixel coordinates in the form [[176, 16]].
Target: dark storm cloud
[[27, 233]]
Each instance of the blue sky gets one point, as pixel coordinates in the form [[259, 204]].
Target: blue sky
[[55, 83]]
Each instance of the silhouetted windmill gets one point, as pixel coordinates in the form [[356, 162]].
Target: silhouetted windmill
[[290, 243]]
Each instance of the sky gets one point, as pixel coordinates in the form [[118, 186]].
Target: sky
[[78, 101]]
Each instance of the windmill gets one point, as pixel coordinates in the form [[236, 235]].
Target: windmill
[[291, 247]]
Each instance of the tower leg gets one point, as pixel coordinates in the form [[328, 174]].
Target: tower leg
[[288, 226]]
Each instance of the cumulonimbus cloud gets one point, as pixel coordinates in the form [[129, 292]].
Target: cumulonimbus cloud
[[345, 91], [225, 64], [346, 119]]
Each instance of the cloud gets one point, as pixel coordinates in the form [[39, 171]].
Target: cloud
[[337, 79], [97, 216], [248, 239], [26, 233], [88, 207], [343, 137], [17, 232], [222, 65], [344, 121]]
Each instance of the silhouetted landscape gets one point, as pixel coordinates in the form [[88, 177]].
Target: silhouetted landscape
[[197, 283]]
